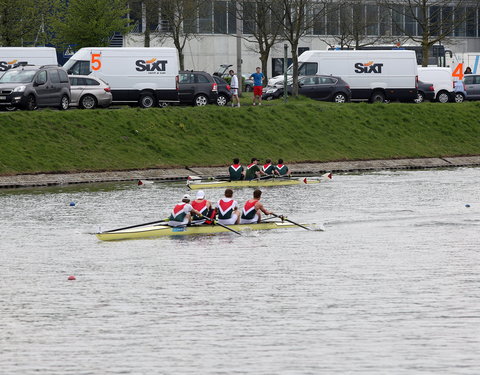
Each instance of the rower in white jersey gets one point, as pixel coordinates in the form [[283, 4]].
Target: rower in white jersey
[[227, 209]]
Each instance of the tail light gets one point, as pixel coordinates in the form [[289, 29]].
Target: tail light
[[348, 87], [431, 88], [107, 89], [214, 87], [228, 87], [416, 82], [177, 80], [453, 85]]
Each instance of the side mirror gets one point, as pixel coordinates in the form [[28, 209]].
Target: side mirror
[[39, 82]]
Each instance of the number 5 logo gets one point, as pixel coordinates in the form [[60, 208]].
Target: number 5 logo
[[96, 63]]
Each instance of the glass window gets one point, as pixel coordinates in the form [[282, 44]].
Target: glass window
[[232, 18], [63, 76], [468, 80], [249, 18], [471, 21], [81, 67], [18, 76], [186, 78], [54, 77], [319, 26], [435, 17], [41, 77], [372, 20], [410, 21], [73, 81], [92, 82], [332, 21], [385, 20], [205, 18], [447, 21], [327, 81], [397, 20], [220, 17], [308, 69], [460, 21], [199, 78]]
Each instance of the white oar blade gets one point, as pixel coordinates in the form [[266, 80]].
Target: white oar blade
[[144, 183]]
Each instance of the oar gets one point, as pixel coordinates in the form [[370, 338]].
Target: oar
[[135, 226], [223, 226], [290, 221]]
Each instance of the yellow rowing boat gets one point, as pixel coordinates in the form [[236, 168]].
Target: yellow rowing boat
[[253, 183], [165, 230]]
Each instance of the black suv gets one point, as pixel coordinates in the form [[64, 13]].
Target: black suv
[[29, 87], [197, 88], [223, 89]]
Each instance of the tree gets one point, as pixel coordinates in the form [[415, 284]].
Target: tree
[[297, 18], [260, 27], [436, 20], [89, 23]]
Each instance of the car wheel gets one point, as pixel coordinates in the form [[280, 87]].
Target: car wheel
[[459, 97], [88, 102], [377, 97], [200, 100], [31, 103], [339, 98], [64, 103], [146, 101], [10, 109], [222, 100], [420, 97], [443, 97]]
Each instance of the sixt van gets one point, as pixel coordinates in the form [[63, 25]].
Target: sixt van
[[13, 57], [376, 75], [147, 76], [442, 81]]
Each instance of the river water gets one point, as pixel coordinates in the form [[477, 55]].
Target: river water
[[392, 286]]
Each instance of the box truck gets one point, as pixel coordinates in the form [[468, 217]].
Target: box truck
[[12, 57], [376, 75], [442, 82], [147, 76]]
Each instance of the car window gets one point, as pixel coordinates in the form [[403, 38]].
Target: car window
[[201, 78], [92, 82], [477, 80], [81, 67], [186, 78], [42, 77], [308, 69], [63, 76], [326, 81], [54, 77], [308, 81], [18, 76], [469, 80], [73, 81]]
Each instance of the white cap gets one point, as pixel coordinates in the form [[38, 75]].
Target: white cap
[[200, 194], [186, 196]]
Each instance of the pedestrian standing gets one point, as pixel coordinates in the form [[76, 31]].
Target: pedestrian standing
[[468, 70], [258, 79], [234, 88]]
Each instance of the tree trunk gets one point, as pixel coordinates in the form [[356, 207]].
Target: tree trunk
[[147, 37], [264, 59], [181, 59], [425, 51], [295, 67]]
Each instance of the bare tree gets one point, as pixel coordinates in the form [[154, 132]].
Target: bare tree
[[260, 27], [297, 18], [426, 22]]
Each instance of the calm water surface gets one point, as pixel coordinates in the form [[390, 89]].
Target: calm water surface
[[391, 287]]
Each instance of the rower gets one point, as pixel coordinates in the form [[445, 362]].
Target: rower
[[181, 213], [253, 170], [201, 205], [268, 168], [236, 171], [252, 210], [281, 169], [227, 208]]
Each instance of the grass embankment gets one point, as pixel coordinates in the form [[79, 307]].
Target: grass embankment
[[301, 130]]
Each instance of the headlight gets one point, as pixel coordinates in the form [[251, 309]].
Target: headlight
[[19, 89]]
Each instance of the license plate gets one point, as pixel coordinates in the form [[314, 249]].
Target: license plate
[[179, 229], [3, 98]]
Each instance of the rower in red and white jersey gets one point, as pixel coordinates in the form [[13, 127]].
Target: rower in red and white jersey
[[227, 209], [252, 210], [201, 205], [181, 213]]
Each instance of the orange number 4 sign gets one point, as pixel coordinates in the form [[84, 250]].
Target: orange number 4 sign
[[96, 63], [458, 72]]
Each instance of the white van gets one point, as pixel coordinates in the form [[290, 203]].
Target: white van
[[12, 57], [442, 81], [147, 76], [376, 76]]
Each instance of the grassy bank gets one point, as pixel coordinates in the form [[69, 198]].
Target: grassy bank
[[301, 130]]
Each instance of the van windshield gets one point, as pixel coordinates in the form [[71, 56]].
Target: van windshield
[[18, 76], [305, 69], [77, 67]]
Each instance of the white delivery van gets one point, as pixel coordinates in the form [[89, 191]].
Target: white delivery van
[[147, 76], [442, 81], [11, 57], [374, 75]]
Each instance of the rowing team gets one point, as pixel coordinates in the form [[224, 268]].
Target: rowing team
[[201, 211], [253, 170]]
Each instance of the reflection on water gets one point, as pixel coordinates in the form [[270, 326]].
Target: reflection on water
[[391, 287]]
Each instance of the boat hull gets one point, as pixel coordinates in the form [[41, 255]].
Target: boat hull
[[252, 183], [165, 230]]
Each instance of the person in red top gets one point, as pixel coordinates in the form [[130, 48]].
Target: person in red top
[[227, 208], [201, 205], [253, 208]]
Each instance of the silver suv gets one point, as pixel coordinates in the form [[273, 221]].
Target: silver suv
[[29, 87]]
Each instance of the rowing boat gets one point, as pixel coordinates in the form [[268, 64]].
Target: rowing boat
[[165, 230], [252, 183]]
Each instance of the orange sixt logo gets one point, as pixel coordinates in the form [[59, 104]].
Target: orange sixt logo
[[368, 67], [152, 65], [6, 65]]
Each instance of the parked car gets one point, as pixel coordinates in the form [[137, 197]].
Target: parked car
[[197, 88], [88, 92], [223, 88], [441, 79], [222, 72], [471, 84], [425, 91], [29, 87], [326, 88]]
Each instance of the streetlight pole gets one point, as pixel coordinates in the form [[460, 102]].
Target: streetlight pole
[[285, 77], [239, 48]]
